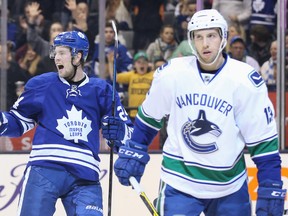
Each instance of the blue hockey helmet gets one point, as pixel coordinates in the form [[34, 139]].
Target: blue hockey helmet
[[75, 40]]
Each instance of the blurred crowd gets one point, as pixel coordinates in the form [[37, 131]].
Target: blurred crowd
[[150, 33]]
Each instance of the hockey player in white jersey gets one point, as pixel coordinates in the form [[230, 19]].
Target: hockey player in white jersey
[[67, 108], [217, 106]]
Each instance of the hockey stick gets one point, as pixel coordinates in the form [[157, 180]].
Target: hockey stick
[[113, 113], [143, 196]]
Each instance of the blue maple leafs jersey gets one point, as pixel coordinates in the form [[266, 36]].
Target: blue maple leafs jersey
[[68, 119]]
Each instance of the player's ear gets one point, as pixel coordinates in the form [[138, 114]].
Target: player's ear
[[77, 58]]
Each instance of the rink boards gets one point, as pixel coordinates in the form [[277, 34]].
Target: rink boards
[[125, 201]]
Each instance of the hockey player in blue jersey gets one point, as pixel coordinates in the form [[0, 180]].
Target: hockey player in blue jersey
[[217, 106], [68, 108]]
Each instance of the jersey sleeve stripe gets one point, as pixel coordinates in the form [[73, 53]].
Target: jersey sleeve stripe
[[261, 141], [26, 123], [149, 121], [264, 148]]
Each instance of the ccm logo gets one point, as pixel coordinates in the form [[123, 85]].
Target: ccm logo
[[131, 153], [278, 194]]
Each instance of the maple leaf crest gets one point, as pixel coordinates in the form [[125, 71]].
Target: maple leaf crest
[[74, 127]]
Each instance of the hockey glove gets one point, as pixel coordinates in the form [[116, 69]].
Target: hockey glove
[[132, 160], [113, 128], [271, 199]]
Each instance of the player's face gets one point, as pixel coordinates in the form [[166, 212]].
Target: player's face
[[63, 60], [207, 43]]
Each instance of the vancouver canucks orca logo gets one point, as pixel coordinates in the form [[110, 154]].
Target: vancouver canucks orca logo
[[197, 134]]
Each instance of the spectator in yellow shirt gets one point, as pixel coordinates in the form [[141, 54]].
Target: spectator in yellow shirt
[[139, 80]]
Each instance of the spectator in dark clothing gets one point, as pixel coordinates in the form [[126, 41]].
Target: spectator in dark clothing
[[124, 58], [63, 13], [27, 59], [38, 43], [45, 65], [117, 10], [40, 23], [147, 22], [124, 61], [14, 74], [186, 12], [261, 39], [15, 8], [81, 21]]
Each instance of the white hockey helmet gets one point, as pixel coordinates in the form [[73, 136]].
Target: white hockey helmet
[[206, 19]]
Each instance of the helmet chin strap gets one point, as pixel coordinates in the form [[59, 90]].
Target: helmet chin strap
[[75, 70]]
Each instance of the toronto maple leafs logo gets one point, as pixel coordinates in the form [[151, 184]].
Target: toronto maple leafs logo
[[195, 134], [258, 5], [73, 91], [74, 127]]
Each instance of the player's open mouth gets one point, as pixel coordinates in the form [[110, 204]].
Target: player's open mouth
[[206, 54], [60, 67]]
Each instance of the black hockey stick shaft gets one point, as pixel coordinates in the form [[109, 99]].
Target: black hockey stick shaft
[[135, 184], [113, 114]]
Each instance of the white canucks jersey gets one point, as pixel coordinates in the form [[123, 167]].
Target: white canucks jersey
[[210, 122]]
